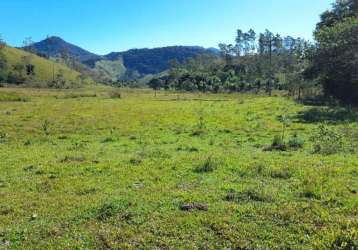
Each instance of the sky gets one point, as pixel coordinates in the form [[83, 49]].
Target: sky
[[103, 26]]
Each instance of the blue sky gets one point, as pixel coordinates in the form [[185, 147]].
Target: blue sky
[[102, 26]]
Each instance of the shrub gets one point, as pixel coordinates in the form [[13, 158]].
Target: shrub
[[277, 144], [296, 142], [327, 140]]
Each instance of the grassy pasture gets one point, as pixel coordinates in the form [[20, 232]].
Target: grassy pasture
[[44, 68], [81, 169]]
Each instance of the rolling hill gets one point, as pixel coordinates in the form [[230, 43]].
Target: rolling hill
[[44, 68]]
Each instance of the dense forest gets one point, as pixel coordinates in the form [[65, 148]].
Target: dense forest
[[268, 61], [154, 61]]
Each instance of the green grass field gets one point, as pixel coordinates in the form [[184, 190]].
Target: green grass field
[[81, 169]]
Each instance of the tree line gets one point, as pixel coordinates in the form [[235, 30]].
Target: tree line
[[264, 61], [267, 61]]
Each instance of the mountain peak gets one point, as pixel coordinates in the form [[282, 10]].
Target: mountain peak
[[55, 45]]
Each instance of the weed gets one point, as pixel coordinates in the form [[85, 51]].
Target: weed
[[3, 137], [277, 144], [250, 194], [108, 140], [46, 127], [296, 142], [112, 208], [73, 159], [327, 140], [208, 165], [282, 173]]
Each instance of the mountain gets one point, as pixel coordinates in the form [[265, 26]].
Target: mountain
[[134, 63], [55, 46], [154, 61], [44, 69]]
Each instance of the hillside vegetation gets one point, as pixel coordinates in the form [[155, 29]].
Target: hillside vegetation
[[110, 70], [44, 69]]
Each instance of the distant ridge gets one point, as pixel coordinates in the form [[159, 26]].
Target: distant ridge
[[134, 62]]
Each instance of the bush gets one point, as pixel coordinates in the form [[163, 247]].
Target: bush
[[296, 142], [277, 144], [327, 140]]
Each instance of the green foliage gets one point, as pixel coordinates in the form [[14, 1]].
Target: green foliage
[[21, 67], [296, 142], [3, 137], [335, 63], [240, 66], [208, 165], [110, 70], [45, 126], [110, 209], [327, 140]]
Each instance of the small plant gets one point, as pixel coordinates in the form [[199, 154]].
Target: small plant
[[112, 208], [46, 127], [277, 144], [209, 165], [296, 142], [311, 190], [3, 137], [327, 140], [27, 142], [136, 160], [249, 195], [108, 140], [285, 121], [283, 173]]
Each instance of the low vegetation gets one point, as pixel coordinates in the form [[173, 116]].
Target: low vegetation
[[108, 173]]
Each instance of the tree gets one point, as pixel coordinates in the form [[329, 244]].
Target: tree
[[28, 45], [335, 61]]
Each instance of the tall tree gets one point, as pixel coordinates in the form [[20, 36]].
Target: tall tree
[[336, 59]]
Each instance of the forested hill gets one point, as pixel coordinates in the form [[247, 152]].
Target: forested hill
[[56, 46], [153, 61], [142, 61]]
